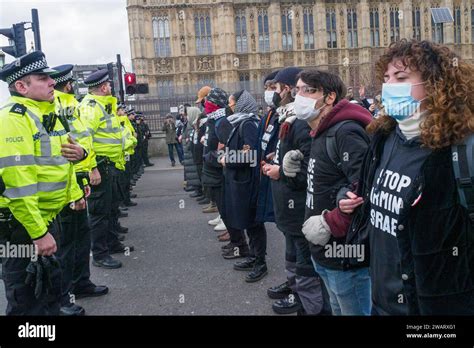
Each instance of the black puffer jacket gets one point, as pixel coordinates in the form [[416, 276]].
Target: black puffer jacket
[[198, 134], [212, 169], [435, 236]]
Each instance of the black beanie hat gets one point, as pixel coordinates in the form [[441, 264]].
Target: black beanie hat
[[288, 75]]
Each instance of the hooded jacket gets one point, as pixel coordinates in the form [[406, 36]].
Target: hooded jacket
[[325, 179]]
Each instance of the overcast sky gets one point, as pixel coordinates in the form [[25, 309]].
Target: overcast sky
[[72, 31]]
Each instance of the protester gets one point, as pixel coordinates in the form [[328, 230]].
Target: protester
[[338, 146], [422, 243]]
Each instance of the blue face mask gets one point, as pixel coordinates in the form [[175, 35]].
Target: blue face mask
[[397, 100]]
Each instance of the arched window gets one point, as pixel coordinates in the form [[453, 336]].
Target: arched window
[[202, 27], [308, 25], [352, 28], [331, 28], [263, 31], [241, 31], [287, 30], [374, 27], [161, 36], [394, 24]]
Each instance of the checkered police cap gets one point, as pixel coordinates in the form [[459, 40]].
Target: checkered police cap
[[34, 62], [97, 78]]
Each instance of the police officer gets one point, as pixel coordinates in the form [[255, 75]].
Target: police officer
[[147, 136], [130, 112], [129, 133], [74, 248], [97, 113], [35, 165], [140, 145]]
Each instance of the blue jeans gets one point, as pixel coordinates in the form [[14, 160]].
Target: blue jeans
[[179, 151], [349, 291]]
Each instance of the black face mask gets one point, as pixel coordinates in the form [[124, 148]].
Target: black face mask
[[228, 111], [276, 99]]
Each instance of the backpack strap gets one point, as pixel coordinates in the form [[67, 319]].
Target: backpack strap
[[331, 145], [241, 127], [463, 165]]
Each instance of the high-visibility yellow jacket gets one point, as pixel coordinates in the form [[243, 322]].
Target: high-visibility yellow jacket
[[97, 114], [129, 134], [39, 180], [66, 105]]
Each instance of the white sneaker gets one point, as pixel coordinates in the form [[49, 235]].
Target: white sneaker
[[220, 227], [215, 222]]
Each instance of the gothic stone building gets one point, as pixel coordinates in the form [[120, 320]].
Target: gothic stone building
[[180, 45]]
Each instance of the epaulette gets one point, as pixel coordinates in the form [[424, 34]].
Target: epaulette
[[18, 109]]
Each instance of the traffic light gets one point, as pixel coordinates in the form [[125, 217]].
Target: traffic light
[[130, 83], [16, 36], [142, 88]]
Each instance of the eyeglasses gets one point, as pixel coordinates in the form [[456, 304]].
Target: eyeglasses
[[304, 89]]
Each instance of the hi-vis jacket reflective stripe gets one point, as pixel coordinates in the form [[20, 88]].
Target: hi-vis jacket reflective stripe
[[97, 114], [129, 134], [39, 180], [66, 105]]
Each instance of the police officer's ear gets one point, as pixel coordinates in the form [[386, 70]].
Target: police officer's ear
[[21, 85], [69, 87]]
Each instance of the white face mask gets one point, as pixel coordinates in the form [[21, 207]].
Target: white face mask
[[304, 108], [269, 98]]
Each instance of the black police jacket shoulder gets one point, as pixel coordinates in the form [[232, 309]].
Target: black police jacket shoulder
[[437, 243], [289, 194]]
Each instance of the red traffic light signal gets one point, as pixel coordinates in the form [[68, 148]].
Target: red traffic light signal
[[130, 83]]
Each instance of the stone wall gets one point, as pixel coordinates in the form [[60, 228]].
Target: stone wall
[[157, 145]]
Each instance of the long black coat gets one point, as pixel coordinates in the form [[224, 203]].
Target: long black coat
[[241, 181]]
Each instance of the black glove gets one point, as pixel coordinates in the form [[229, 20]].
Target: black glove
[[39, 274]]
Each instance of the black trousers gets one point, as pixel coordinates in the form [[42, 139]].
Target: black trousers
[[257, 235], [298, 252], [139, 153], [21, 297], [146, 160], [102, 212], [73, 253], [117, 198], [124, 182], [199, 173]]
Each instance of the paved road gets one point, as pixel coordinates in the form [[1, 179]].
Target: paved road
[[177, 268]]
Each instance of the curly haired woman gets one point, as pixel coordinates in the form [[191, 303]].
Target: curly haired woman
[[421, 237]]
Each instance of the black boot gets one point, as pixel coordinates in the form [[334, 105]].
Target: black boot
[[279, 292], [289, 305], [195, 194], [258, 272], [246, 265]]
